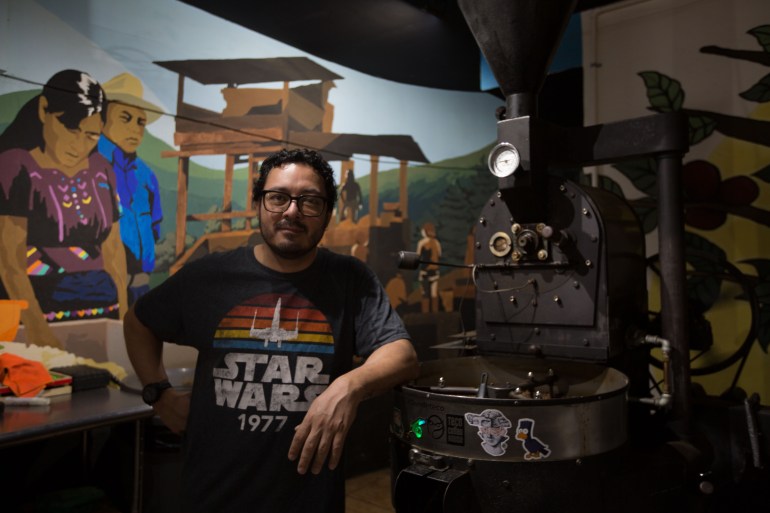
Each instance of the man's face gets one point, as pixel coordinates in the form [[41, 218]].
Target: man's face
[[292, 235], [125, 126]]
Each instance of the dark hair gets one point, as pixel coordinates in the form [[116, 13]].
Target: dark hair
[[298, 156], [73, 93]]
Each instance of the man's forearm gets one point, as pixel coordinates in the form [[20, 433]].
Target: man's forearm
[[390, 365], [145, 350]]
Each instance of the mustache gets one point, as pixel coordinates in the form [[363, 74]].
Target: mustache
[[288, 223]]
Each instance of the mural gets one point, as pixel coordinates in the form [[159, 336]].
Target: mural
[[59, 203], [177, 140], [725, 172]]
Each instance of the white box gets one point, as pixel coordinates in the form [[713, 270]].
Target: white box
[[102, 340]]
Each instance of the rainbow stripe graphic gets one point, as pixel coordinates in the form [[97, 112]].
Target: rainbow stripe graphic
[[273, 322]]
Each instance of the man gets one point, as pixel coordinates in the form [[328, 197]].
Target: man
[[127, 116], [276, 327]]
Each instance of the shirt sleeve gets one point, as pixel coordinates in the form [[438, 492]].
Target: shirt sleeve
[[161, 311], [376, 323]]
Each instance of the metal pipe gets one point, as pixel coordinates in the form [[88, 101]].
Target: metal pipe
[[666, 397], [673, 284]]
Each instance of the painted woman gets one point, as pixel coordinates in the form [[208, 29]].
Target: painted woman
[[61, 247]]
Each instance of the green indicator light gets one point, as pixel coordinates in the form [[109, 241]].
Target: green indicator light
[[417, 427]]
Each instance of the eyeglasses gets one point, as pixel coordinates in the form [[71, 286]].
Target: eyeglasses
[[278, 202]]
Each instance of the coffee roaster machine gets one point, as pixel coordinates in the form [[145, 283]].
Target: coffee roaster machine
[[549, 408]]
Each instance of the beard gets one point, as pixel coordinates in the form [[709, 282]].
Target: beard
[[292, 247]]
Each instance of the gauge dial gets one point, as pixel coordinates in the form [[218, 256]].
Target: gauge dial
[[500, 244], [503, 160]]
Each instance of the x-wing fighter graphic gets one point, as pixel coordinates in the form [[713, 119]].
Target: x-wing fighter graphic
[[274, 333]]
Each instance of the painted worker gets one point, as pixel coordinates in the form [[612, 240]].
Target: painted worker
[[128, 113], [61, 248], [277, 327], [429, 249]]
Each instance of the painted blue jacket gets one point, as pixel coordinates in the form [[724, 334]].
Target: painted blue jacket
[[141, 211]]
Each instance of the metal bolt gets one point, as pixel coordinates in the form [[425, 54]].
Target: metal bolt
[[589, 263], [586, 342], [499, 194], [576, 284], [482, 220], [542, 254], [540, 227], [513, 299], [562, 188], [516, 228], [491, 203], [537, 331], [556, 299], [584, 211], [478, 245]]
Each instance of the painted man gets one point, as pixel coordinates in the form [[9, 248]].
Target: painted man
[[128, 113]]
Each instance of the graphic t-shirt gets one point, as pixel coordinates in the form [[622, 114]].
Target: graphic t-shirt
[[268, 343]]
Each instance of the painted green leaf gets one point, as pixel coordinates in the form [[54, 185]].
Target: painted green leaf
[[703, 254], [706, 259], [759, 92], [762, 33], [611, 185], [649, 218], [664, 93], [700, 128], [642, 173]]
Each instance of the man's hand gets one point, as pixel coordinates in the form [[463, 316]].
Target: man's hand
[[325, 427], [323, 431], [173, 407]]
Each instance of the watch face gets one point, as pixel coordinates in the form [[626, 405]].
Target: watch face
[[152, 392], [503, 160]]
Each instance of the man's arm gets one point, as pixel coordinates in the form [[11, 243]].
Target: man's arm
[[145, 350], [326, 425]]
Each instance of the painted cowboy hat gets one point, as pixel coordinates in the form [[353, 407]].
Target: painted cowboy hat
[[127, 89]]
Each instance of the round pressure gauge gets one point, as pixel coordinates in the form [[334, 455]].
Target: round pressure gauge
[[503, 160]]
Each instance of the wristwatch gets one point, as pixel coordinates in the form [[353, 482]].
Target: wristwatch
[[151, 393]]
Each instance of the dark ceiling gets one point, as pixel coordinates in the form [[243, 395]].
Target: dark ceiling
[[418, 42]]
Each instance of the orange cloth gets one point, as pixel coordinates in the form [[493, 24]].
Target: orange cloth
[[26, 378]]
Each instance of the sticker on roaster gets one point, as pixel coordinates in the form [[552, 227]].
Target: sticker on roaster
[[493, 430], [534, 449]]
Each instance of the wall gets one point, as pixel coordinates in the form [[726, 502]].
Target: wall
[[708, 59]]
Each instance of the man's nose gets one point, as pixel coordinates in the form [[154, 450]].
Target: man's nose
[[293, 209]]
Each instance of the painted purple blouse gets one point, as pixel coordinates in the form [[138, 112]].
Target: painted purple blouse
[[68, 218]]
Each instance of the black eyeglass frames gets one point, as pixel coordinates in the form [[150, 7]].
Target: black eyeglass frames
[[278, 202]]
